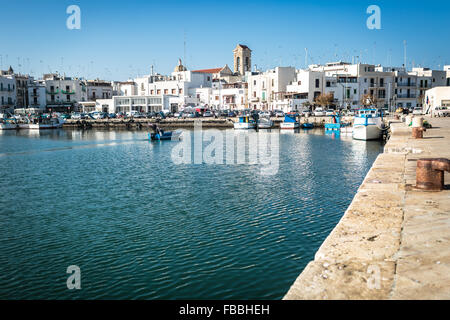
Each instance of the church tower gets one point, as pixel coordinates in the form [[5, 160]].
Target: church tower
[[242, 59]]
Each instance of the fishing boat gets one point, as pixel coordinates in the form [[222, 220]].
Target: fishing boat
[[289, 123], [45, 123], [165, 135], [368, 125], [245, 123], [264, 122]]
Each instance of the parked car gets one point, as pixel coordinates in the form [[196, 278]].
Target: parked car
[[441, 112], [207, 114], [319, 112], [120, 115], [76, 116], [329, 112], [112, 115], [232, 114], [417, 111], [279, 113]]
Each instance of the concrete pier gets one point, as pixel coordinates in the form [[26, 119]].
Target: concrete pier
[[393, 242]]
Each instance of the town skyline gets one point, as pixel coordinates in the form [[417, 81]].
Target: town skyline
[[115, 44]]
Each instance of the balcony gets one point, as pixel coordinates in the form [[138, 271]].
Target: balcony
[[406, 96], [54, 103], [52, 92], [6, 89], [67, 92], [373, 85], [406, 84]]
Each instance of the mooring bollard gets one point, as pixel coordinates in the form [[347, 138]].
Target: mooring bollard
[[417, 128], [430, 173]]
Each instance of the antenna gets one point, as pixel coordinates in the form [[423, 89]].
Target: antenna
[[404, 52], [306, 57], [184, 49]]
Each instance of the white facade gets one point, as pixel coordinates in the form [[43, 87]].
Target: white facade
[[64, 93], [7, 92], [262, 86], [436, 97], [98, 89], [125, 104], [37, 95]]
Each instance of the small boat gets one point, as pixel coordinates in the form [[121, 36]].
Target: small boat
[[245, 123], [289, 123], [8, 124], [265, 123], [368, 125], [165, 135], [45, 123], [307, 125]]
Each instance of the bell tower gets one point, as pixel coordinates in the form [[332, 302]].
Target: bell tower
[[242, 59]]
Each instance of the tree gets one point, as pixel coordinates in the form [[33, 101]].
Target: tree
[[306, 105], [368, 100], [324, 100]]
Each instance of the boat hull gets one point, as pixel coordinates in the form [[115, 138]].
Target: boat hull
[[243, 125], [366, 132], [289, 125], [265, 124], [8, 126]]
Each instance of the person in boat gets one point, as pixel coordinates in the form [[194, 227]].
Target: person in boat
[[157, 130]]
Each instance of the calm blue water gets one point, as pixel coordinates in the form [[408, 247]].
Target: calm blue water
[[141, 227]]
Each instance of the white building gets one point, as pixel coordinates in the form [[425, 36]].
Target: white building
[[437, 97], [64, 93], [136, 103], [7, 92], [263, 86], [37, 95]]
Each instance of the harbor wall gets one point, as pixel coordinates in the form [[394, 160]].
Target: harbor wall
[[393, 242], [318, 122]]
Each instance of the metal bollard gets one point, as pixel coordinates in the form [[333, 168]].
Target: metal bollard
[[430, 173]]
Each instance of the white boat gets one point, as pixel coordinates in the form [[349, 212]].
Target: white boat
[[368, 125], [244, 123], [41, 123], [265, 123], [289, 123]]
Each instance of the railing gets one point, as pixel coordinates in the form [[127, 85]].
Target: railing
[[406, 84], [67, 92], [6, 89], [406, 96], [52, 92], [60, 102], [373, 85]]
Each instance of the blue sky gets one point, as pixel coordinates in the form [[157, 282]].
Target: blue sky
[[122, 39]]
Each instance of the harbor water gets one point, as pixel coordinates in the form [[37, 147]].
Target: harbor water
[[140, 226]]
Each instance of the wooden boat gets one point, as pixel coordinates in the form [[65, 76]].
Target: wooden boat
[[289, 123], [165, 135]]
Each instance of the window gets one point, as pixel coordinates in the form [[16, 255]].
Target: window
[[354, 91], [299, 83], [142, 87], [254, 82], [317, 83], [68, 98], [273, 83], [254, 94], [247, 64], [180, 91], [166, 91], [173, 91], [158, 91], [152, 91], [216, 98], [328, 84], [209, 78], [238, 63]]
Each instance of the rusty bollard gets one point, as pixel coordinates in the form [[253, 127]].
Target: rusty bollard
[[417, 133], [430, 173]]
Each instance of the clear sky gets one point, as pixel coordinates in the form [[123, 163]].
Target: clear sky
[[122, 39]]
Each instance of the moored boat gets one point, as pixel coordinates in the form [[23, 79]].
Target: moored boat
[[289, 123], [264, 122], [368, 125], [245, 123], [8, 124], [308, 125], [165, 135]]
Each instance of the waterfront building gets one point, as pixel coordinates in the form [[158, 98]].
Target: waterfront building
[[263, 86], [98, 89], [37, 95], [436, 97], [63, 93], [136, 103], [7, 91]]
